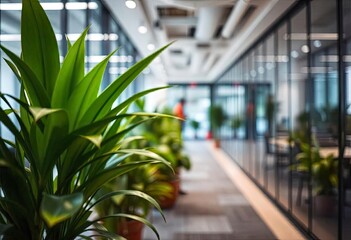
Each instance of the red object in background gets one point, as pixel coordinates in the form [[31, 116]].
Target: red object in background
[[131, 229], [193, 85], [179, 110], [209, 135], [250, 108]]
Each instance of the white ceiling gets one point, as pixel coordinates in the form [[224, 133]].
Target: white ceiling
[[209, 34]]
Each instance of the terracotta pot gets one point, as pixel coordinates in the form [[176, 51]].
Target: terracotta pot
[[217, 143], [325, 205], [169, 202], [130, 229]]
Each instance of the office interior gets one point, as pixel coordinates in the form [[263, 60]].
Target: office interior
[[282, 74]]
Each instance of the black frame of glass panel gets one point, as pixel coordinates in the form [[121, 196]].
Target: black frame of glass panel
[[342, 112]]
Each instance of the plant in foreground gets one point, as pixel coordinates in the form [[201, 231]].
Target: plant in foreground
[[68, 137]]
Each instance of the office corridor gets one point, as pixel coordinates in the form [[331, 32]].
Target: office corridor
[[212, 209]]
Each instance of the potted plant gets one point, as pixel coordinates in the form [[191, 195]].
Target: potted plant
[[145, 179], [177, 159], [68, 137], [195, 125], [271, 109], [323, 175], [164, 138], [217, 117], [235, 123]]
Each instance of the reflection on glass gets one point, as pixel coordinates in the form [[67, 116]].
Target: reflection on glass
[[292, 96], [281, 125], [324, 115], [10, 38]]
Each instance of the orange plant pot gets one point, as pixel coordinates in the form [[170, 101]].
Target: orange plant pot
[[217, 143], [169, 202], [130, 229]]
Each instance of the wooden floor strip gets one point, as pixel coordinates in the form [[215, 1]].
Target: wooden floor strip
[[282, 228]]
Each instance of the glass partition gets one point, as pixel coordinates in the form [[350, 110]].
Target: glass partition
[[295, 137], [270, 160], [196, 108], [9, 38], [299, 98], [281, 117], [325, 112]]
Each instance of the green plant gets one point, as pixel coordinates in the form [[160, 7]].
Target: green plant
[[235, 123], [271, 109], [217, 117], [327, 119], [68, 137], [323, 169], [195, 125], [164, 137], [145, 179]]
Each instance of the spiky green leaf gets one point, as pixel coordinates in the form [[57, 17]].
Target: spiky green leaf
[[55, 209], [34, 88], [39, 45], [102, 105], [70, 74]]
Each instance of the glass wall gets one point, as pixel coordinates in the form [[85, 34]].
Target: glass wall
[[9, 38], [292, 91], [197, 102]]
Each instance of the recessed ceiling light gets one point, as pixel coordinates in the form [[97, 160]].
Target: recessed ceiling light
[[317, 43], [270, 65], [294, 54], [253, 73], [151, 46], [142, 29], [305, 49], [130, 4], [261, 70]]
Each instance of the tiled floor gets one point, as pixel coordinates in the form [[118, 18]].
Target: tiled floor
[[212, 209]]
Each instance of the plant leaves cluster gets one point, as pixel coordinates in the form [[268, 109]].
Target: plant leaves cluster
[[161, 136], [164, 137], [68, 137], [217, 117], [323, 169]]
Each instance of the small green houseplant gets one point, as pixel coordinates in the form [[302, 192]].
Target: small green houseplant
[[235, 123], [163, 136], [68, 137], [217, 117], [145, 179], [195, 125], [271, 109], [324, 169], [324, 177]]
